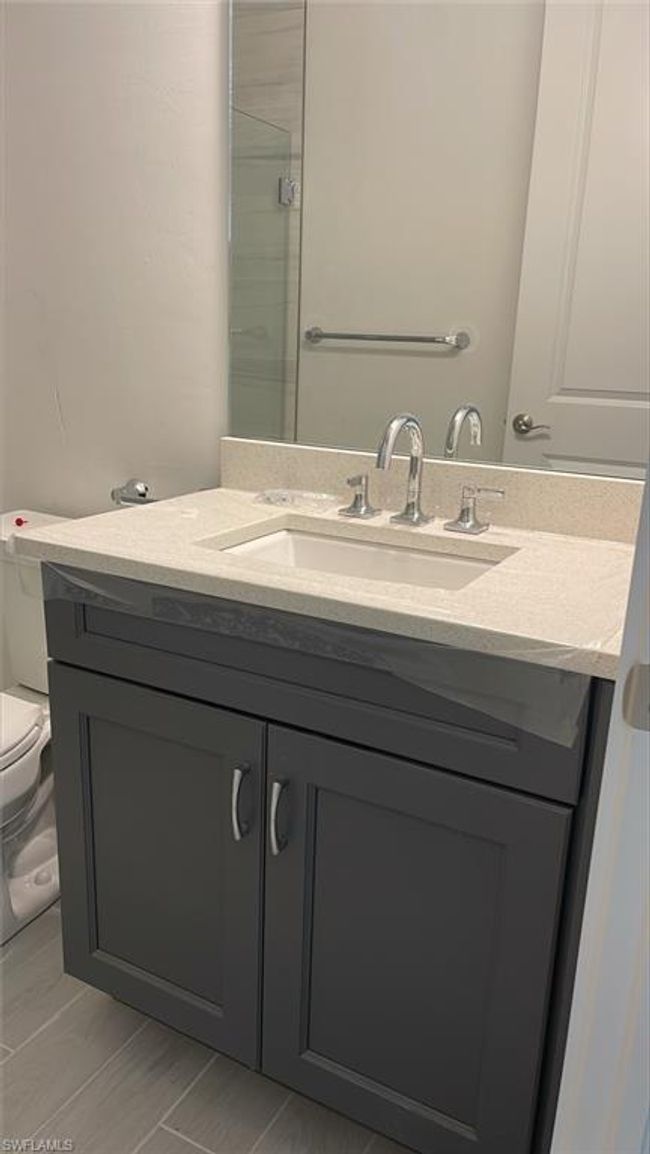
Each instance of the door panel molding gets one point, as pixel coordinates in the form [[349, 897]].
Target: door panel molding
[[455, 823], [207, 987]]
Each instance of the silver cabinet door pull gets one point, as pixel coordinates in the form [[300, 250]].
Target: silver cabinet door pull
[[239, 828], [276, 842]]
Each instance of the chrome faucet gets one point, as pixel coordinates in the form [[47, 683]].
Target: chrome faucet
[[133, 492], [465, 413], [412, 513]]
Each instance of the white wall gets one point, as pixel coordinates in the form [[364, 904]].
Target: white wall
[[4, 666], [603, 1104], [116, 183], [419, 122]]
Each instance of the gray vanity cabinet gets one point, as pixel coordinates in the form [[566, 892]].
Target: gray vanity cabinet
[[410, 927], [282, 839], [161, 903]]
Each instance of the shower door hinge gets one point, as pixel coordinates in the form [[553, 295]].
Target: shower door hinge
[[287, 191]]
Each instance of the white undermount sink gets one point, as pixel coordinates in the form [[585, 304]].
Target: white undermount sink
[[370, 560]]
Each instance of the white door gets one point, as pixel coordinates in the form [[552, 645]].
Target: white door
[[580, 359], [603, 1105]]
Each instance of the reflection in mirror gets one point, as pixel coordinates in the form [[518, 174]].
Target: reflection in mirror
[[442, 208]]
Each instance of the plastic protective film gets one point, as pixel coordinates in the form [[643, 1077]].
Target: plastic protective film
[[544, 701]]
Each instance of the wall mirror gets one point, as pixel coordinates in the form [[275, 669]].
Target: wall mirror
[[437, 205]]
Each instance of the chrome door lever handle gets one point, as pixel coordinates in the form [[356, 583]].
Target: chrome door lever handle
[[239, 828], [523, 423]]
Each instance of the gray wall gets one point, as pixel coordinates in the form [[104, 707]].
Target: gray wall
[[418, 142], [116, 189]]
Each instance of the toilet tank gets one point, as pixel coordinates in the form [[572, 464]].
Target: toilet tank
[[21, 598]]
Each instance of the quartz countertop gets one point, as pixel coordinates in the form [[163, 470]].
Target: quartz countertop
[[552, 600]]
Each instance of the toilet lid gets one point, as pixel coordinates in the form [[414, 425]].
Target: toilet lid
[[21, 723]]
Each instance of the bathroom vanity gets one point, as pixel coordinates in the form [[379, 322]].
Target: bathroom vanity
[[351, 857], [356, 884]]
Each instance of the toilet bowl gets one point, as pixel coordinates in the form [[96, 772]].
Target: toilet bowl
[[29, 874], [24, 731]]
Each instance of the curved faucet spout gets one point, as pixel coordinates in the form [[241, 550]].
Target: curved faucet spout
[[468, 413], [412, 513], [392, 431]]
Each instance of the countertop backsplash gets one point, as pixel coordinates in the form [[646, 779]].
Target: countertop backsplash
[[574, 504]]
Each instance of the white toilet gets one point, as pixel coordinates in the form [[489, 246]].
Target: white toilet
[[29, 874]]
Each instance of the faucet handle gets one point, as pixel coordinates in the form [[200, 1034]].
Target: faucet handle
[[360, 505], [483, 491], [360, 481], [467, 520]]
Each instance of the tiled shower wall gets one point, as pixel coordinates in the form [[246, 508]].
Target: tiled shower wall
[[267, 84]]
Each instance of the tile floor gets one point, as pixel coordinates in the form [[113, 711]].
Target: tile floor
[[76, 1065]]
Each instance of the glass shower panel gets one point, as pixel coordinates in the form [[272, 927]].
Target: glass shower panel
[[259, 393]]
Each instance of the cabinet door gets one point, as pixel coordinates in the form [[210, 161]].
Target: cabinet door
[[409, 939], [160, 889]]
